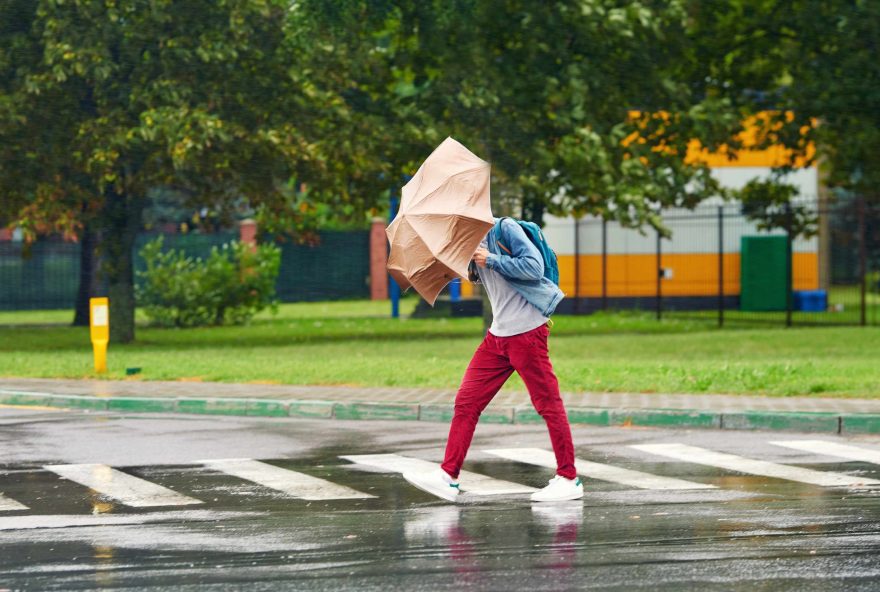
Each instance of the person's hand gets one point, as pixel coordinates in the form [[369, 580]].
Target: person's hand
[[480, 256]]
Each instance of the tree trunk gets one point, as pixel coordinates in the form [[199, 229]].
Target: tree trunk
[[121, 223], [88, 276], [533, 209]]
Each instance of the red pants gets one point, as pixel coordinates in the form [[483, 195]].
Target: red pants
[[492, 364]]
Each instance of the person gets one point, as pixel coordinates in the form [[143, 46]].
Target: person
[[511, 269]]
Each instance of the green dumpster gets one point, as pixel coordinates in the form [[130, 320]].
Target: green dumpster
[[763, 273]]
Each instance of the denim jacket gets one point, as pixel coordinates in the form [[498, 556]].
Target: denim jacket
[[523, 267]]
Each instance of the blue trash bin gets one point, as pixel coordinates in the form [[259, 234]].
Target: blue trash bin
[[810, 300]]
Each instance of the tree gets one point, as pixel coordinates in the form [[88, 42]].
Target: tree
[[104, 100], [582, 107], [814, 63]]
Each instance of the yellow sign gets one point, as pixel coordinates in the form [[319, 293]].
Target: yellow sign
[[100, 331]]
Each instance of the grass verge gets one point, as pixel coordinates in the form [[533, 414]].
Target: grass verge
[[355, 343]]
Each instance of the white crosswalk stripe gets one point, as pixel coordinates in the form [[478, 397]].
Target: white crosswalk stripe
[[293, 483], [39, 521], [9, 504], [130, 490], [600, 471], [833, 449], [732, 462], [473, 483], [122, 487]]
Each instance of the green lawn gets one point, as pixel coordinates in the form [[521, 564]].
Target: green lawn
[[355, 343]]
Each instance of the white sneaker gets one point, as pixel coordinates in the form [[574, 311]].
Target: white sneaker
[[436, 482], [560, 489]]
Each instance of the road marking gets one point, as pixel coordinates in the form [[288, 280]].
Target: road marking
[[594, 470], [298, 485], [833, 449], [35, 408], [732, 462], [124, 488], [470, 482], [9, 504], [35, 522]]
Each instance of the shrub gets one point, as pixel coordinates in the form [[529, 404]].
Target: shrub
[[233, 284]]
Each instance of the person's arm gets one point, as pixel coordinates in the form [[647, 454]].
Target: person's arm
[[524, 262]]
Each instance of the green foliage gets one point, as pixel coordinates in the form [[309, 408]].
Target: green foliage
[[769, 203], [104, 101], [815, 63], [229, 287], [582, 106], [545, 91]]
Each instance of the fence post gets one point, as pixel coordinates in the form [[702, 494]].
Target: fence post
[[863, 263], [378, 259], [604, 264], [577, 265], [659, 279], [247, 233], [789, 280], [720, 266], [393, 288]]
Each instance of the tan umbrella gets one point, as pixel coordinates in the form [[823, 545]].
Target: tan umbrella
[[444, 214]]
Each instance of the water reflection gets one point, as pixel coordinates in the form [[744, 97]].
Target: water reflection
[[432, 525], [441, 528], [477, 541], [564, 520], [104, 564]]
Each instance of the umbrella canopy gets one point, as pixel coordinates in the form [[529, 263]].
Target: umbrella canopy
[[444, 214]]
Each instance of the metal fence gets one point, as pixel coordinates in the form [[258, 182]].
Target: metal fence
[[804, 263], [721, 266], [46, 278], [337, 267]]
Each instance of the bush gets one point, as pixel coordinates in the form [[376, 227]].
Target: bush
[[229, 287]]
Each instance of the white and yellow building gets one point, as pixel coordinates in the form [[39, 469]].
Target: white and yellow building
[[691, 257]]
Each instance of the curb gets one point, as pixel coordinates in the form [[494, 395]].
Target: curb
[[827, 422]]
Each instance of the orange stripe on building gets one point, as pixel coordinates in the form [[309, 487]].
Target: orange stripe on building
[[693, 274]]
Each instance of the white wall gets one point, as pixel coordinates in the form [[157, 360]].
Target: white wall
[[692, 232]]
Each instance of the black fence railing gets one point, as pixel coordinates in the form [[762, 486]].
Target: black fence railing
[[803, 263], [336, 267], [811, 263]]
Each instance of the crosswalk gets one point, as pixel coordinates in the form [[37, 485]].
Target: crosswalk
[[600, 471], [843, 451], [122, 487], [750, 466], [10, 505], [473, 483], [293, 483], [118, 485]]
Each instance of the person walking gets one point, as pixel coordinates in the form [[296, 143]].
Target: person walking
[[511, 269]]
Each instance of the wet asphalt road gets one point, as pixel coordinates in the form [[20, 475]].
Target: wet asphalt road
[[749, 533]]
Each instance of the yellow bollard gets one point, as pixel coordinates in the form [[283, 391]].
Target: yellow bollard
[[99, 323]]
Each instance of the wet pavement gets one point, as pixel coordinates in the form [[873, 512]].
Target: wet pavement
[[747, 532]]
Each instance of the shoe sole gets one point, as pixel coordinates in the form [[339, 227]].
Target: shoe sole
[[417, 485], [560, 499]]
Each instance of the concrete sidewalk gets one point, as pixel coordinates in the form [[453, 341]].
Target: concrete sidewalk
[[343, 402]]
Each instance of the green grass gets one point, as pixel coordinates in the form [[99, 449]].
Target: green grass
[[355, 343], [354, 308], [35, 317], [844, 301]]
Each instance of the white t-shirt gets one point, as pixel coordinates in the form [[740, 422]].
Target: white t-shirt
[[511, 313]]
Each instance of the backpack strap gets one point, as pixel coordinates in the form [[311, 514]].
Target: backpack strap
[[498, 234]]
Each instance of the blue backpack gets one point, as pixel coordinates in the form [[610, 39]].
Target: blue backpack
[[533, 231]]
